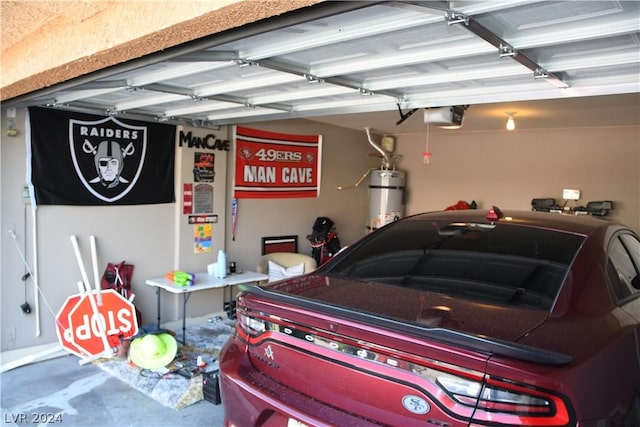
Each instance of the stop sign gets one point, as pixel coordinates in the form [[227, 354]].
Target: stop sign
[[116, 317], [62, 325]]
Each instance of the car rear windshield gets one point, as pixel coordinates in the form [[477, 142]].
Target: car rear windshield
[[499, 263]]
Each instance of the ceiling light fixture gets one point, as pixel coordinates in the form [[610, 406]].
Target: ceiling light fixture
[[511, 124]]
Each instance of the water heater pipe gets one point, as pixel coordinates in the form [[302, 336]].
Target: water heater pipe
[[341, 187], [385, 156]]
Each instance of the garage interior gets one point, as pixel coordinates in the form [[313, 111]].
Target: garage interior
[[567, 72]]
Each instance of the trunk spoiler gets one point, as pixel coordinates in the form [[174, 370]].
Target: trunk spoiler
[[481, 343]]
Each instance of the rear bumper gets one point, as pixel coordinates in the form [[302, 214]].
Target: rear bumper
[[250, 398]]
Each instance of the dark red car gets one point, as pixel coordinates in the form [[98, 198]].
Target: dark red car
[[455, 318]]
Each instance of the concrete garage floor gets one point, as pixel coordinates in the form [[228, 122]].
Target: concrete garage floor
[[60, 391]]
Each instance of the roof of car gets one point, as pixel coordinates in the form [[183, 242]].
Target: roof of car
[[582, 224]]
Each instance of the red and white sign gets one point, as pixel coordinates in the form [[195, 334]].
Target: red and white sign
[[62, 325], [187, 199], [80, 329], [276, 165]]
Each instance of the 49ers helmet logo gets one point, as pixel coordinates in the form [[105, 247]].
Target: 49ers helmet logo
[[108, 155]]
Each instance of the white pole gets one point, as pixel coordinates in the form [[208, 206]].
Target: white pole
[[87, 288], [36, 286], [55, 348], [96, 276], [76, 250]]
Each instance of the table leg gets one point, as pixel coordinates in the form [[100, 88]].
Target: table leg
[[158, 294], [185, 297], [229, 304]]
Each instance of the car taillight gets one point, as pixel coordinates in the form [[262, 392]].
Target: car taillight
[[251, 325], [472, 393], [505, 402]]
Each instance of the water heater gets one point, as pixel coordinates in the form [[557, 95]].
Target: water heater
[[386, 197]]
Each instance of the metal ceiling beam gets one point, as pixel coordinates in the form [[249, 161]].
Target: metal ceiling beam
[[504, 48], [334, 80], [89, 108], [248, 112], [238, 100], [308, 92], [160, 87], [63, 98], [104, 84], [267, 78], [207, 56]]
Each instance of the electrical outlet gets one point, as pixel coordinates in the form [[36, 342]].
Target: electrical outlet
[[10, 231], [570, 194]]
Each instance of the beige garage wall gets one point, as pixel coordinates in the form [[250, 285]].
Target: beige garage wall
[[508, 169]]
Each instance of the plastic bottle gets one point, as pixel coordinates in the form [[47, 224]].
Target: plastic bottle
[[222, 264]]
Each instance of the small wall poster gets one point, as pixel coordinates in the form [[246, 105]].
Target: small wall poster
[[202, 238], [203, 167], [203, 199]]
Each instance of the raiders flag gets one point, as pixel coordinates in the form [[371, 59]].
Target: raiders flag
[[82, 159]]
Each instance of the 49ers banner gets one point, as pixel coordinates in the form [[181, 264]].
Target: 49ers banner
[[276, 165], [81, 159]]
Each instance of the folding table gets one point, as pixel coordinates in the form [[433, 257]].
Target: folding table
[[202, 282]]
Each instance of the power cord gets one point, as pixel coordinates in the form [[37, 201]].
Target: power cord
[[25, 307], [13, 236]]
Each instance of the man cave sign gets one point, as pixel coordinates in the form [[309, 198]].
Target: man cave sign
[[108, 155]]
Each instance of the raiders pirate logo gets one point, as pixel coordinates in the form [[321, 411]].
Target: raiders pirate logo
[[108, 155]]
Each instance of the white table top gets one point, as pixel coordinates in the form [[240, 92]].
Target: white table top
[[204, 281]]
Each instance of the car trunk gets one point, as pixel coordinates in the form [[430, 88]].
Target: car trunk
[[414, 352], [460, 312]]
